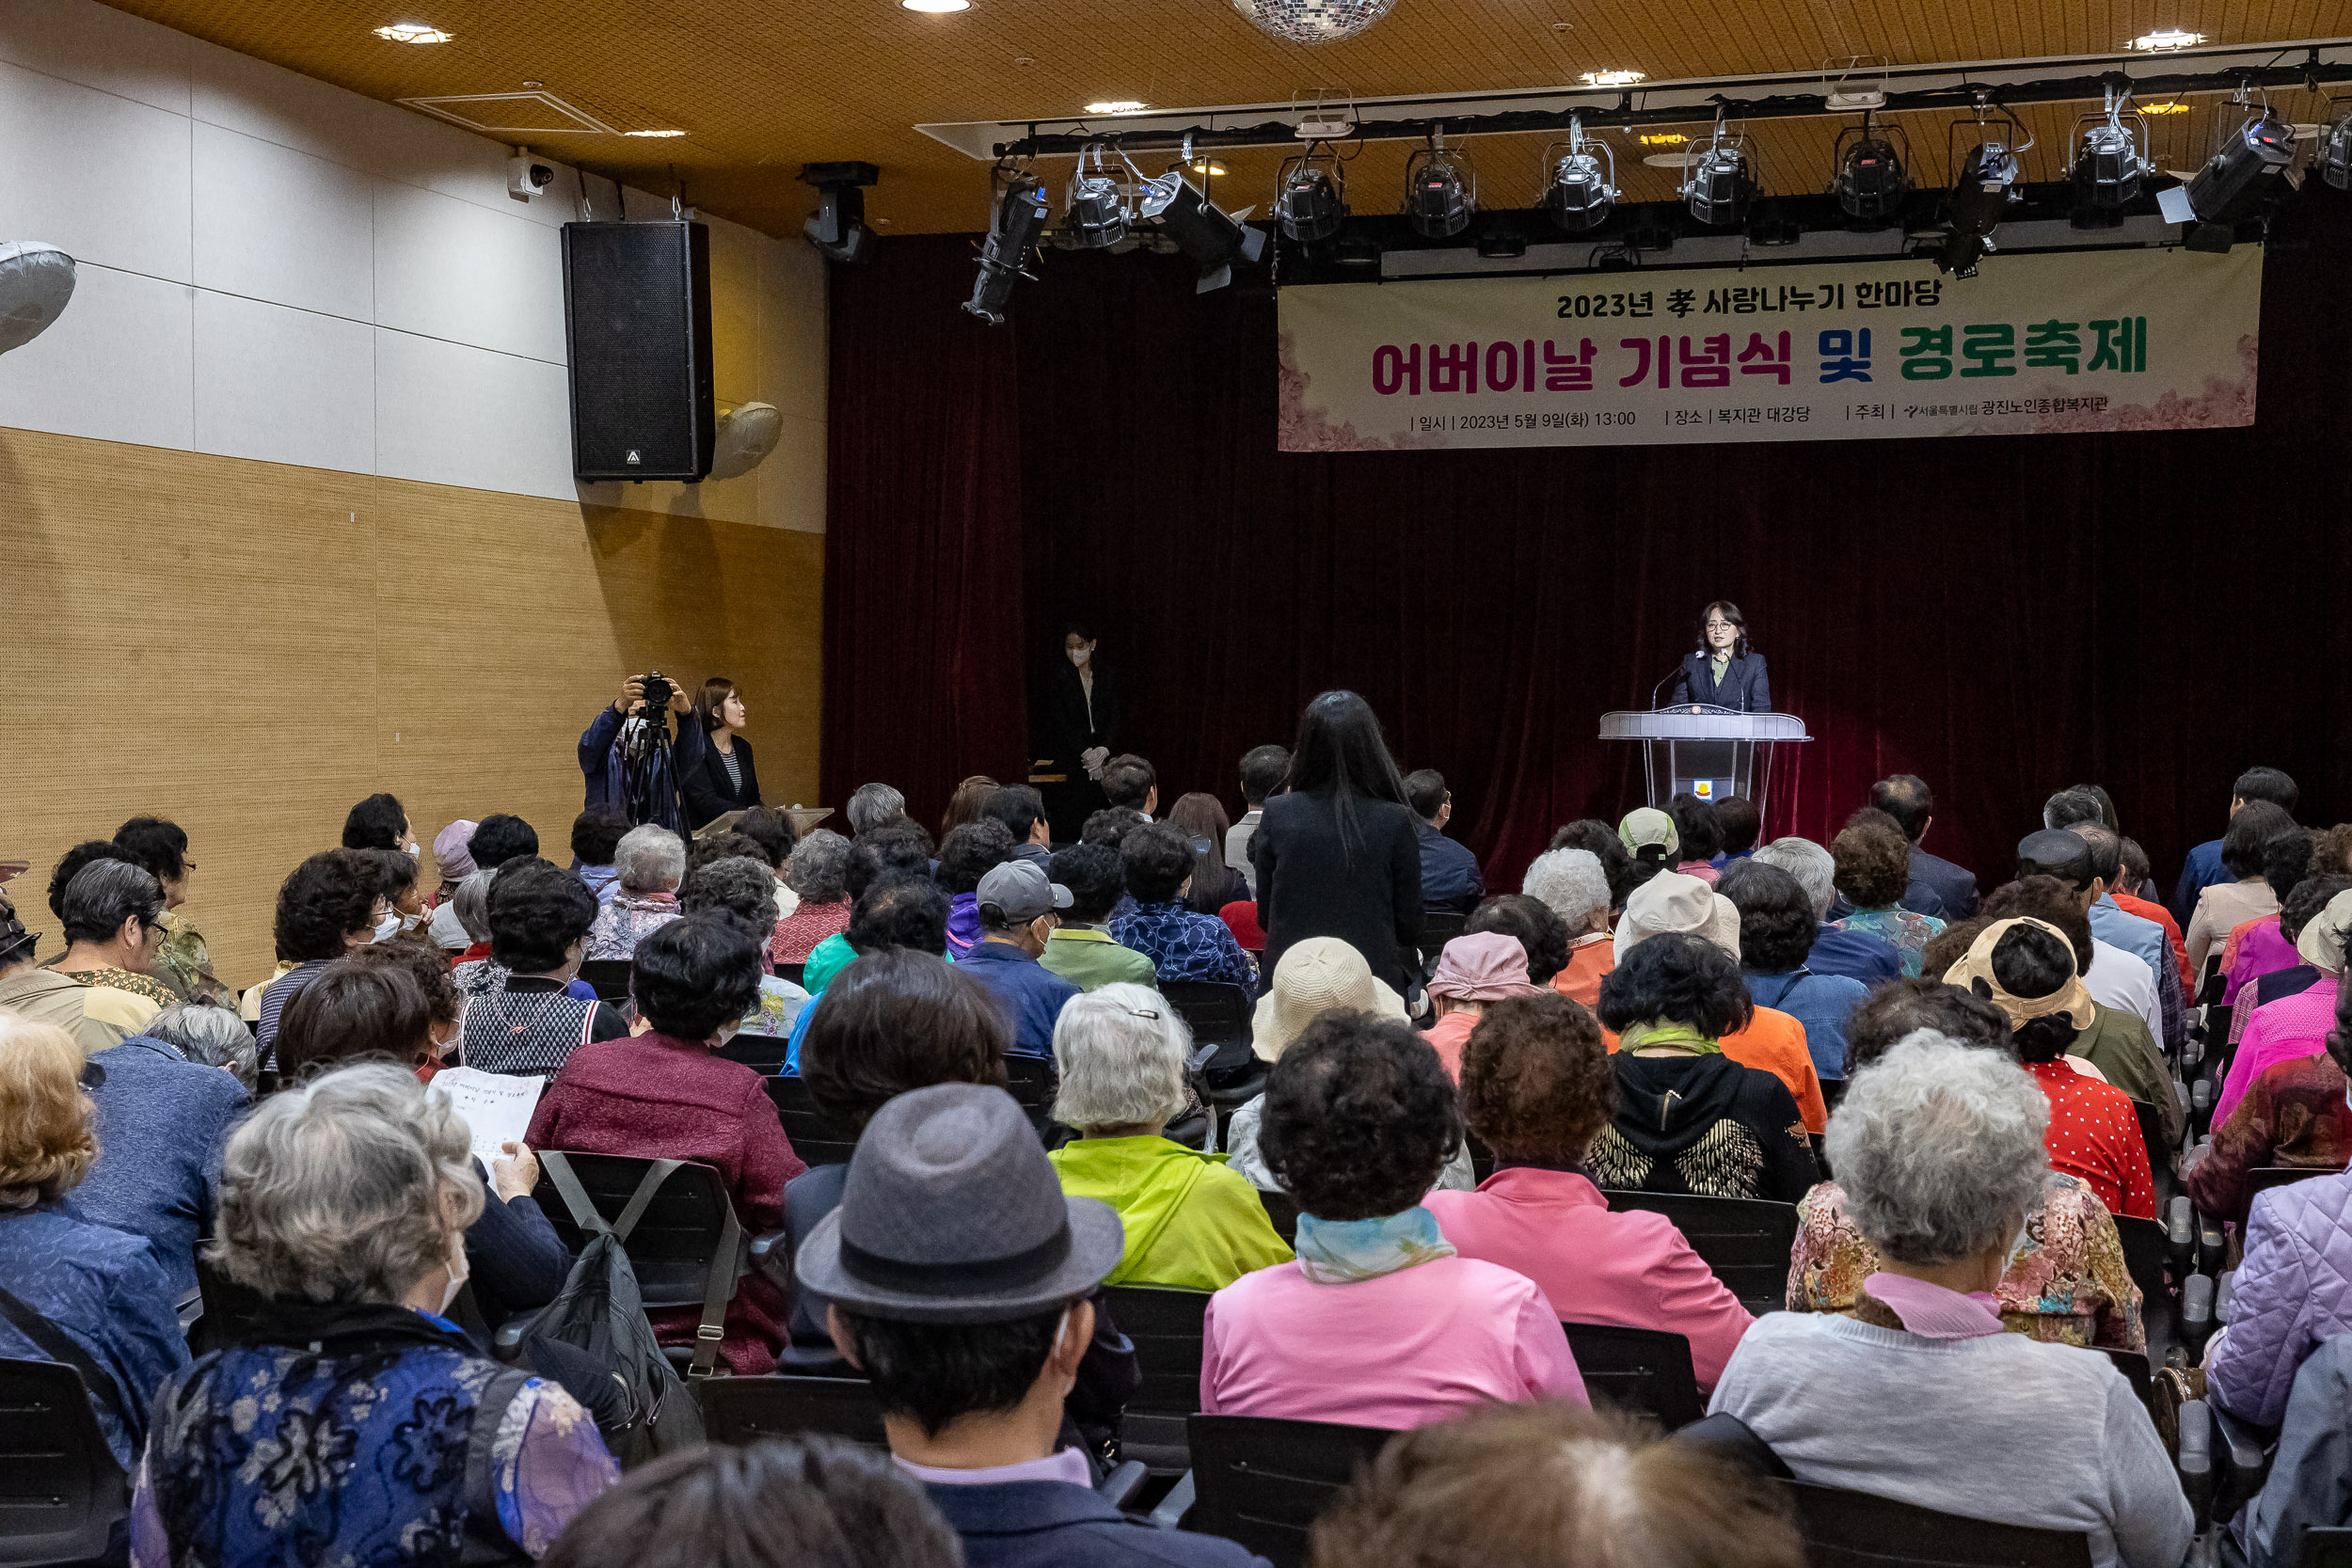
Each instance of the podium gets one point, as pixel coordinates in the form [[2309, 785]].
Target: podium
[[1711, 754]]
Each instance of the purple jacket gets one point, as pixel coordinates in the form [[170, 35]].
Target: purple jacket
[[2293, 1289], [2259, 952]]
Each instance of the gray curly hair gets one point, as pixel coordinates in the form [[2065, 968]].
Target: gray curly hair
[[818, 868], [1570, 883], [346, 1189], [1938, 1146], [1813, 866], [215, 1036], [649, 859]]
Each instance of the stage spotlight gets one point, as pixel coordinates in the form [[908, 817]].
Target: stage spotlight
[[837, 227], [1440, 189], [1583, 183], [1502, 244], [1982, 194], [1213, 239], [2111, 159], [2241, 176], [2335, 154], [1719, 180], [1311, 195], [1357, 250], [1099, 206], [1011, 240], [1870, 184]]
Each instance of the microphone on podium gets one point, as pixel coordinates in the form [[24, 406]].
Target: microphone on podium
[[1662, 680]]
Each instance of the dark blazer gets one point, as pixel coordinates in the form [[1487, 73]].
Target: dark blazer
[[1954, 885], [708, 794], [1068, 729], [1052, 1524], [1310, 885], [1746, 688]]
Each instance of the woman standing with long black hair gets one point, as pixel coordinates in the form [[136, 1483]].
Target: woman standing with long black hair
[[1337, 854], [1723, 670]]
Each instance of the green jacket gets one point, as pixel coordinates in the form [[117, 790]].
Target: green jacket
[[1087, 958], [1192, 1225], [2119, 1045]]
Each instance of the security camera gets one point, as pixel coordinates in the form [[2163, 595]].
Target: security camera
[[525, 176]]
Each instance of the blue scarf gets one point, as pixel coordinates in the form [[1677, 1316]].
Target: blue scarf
[[1340, 1252]]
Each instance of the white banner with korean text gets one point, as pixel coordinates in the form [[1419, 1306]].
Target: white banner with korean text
[[2082, 340]]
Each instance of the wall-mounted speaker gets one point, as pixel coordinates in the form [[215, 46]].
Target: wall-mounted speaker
[[636, 323]]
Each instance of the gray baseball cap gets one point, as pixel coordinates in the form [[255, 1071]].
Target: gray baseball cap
[[1020, 890]]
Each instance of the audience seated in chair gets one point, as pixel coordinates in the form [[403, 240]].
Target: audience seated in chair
[[648, 864], [2293, 1026], [816, 872], [2309, 1486], [1536, 1088], [1855, 955], [2203, 867], [667, 1095], [1919, 1396], [1776, 937], [1905, 798], [1872, 863], [343, 1200], [2242, 894], [1191, 1223], [1182, 944], [1698, 837], [2295, 1115], [813, 1499], [1474, 971], [101, 990], [213, 1036], [1359, 1118], [1553, 1485], [901, 851], [1451, 881], [2300, 907], [903, 911], [185, 961], [2116, 976], [965, 856], [958, 1275], [2066, 1280], [2255, 947], [743, 890], [1572, 884], [103, 1287], [1080, 950], [328, 907], [1016, 912], [523, 1015], [596, 835], [1689, 1117], [1263, 772], [1201, 819]]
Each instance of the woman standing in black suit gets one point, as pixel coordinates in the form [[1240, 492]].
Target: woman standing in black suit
[[723, 779], [1081, 732], [1339, 852], [1723, 672]]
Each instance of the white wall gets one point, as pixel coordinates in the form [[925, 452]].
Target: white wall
[[277, 269]]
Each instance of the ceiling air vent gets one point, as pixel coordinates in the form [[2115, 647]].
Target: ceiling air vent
[[512, 114]]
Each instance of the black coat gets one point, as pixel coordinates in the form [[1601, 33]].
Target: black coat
[[1310, 885], [1068, 729], [708, 794], [1746, 688]]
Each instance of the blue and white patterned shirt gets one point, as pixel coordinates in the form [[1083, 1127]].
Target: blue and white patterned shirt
[[1184, 944]]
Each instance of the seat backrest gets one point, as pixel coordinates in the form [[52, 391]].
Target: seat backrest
[[1166, 1328], [2330, 1547], [1729, 1440], [1033, 1083], [2134, 1366], [2263, 1178], [1746, 1242], [1855, 1530], [1262, 1481], [673, 1245], [1437, 930], [60, 1489], [1216, 1011], [740, 1410], [607, 978], [791, 971], [2160, 1150], [229, 1308], [762, 1053], [2146, 1249], [1283, 1213], [1645, 1370], [816, 1137]]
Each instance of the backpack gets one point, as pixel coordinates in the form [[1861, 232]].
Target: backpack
[[595, 1335]]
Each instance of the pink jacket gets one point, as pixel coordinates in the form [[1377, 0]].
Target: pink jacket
[[2262, 950], [1634, 1270], [2278, 1031], [1402, 1350]]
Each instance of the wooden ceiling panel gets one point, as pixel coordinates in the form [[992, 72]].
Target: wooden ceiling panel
[[763, 85]]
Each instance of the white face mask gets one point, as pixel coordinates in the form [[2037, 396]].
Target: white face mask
[[458, 1269], [410, 922], [387, 927], [1079, 656]]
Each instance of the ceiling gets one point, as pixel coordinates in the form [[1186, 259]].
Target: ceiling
[[763, 85]]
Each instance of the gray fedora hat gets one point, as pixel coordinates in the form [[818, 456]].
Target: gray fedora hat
[[952, 1214]]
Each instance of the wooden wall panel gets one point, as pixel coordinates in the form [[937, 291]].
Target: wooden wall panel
[[249, 648]]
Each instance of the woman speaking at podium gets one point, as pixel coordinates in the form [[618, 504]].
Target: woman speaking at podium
[[1723, 672]]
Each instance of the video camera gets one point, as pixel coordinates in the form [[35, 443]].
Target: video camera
[[659, 689]]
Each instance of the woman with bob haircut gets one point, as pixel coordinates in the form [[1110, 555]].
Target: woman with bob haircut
[[523, 1016], [1338, 853], [1359, 1118], [1192, 1224], [721, 777], [2245, 853], [1919, 1396], [1537, 1088], [817, 872], [1872, 864], [668, 1094], [101, 1288], [1689, 1118], [1776, 934], [344, 1202]]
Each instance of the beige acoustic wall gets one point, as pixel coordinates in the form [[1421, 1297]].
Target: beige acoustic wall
[[250, 647]]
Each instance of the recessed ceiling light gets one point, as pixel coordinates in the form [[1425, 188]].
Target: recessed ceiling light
[[940, 5], [2175, 107], [1116, 107], [2169, 37], [1612, 78], [653, 132], [412, 32]]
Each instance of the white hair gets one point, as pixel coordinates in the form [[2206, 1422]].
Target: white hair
[[472, 903], [1939, 1147], [346, 1188], [872, 805], [649, 859], [1813, 866], [1570, 883], [1121, 1050], [215, 1036]]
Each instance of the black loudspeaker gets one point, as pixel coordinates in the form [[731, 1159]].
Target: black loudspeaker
[[637, 323]]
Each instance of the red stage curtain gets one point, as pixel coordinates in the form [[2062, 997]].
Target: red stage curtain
[[2002, 615]]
